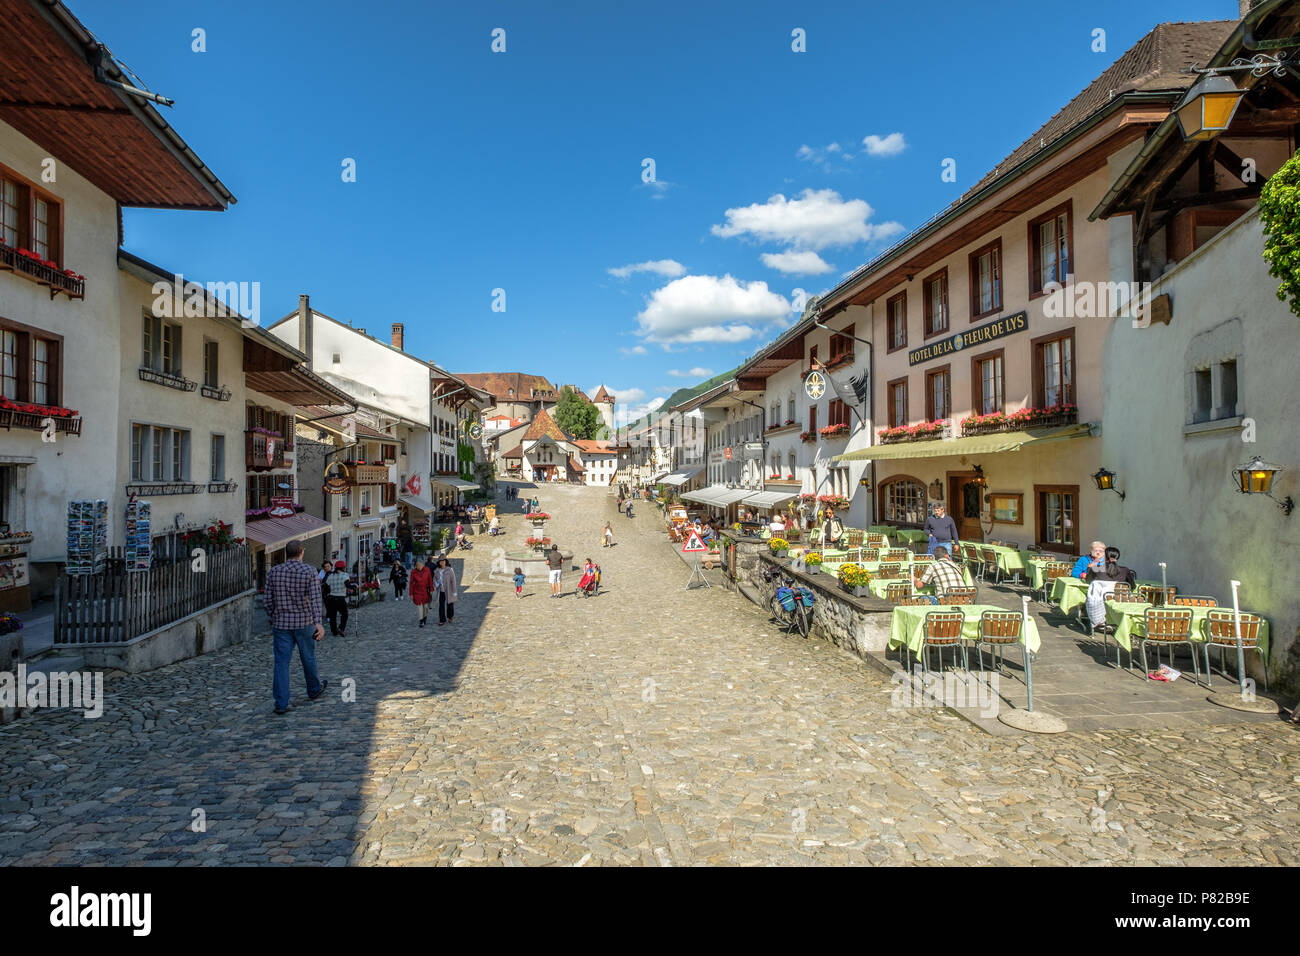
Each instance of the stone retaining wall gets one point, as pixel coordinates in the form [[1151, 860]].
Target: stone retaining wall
[[859, 625]]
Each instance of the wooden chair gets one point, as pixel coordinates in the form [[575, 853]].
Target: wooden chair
[[890, 571], [896, 592], [998, 629], [1219, 628], [914, 600], [896, 554], [975, 559], [1168, 627], [922, 559], [871, 554], [1194, 600], [1157, 596], [961, 595], [1051, 571], [943, 629], [853, 539], [1122, 593], [990, 559], [875, 540]]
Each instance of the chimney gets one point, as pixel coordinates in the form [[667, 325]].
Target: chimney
[[399, 335], [305, 327]]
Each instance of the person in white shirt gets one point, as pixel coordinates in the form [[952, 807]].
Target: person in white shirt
[[777, 525]]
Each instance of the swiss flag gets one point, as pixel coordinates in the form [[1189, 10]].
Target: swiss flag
[[414, 484]]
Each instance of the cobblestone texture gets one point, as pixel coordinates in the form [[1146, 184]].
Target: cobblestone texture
[[650, 725]]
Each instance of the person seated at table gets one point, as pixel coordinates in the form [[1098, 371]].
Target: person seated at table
[[1094, 560], [1102, 582], [943, 572], [777, 524], [941, 530]]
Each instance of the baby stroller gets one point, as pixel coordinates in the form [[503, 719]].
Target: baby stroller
[[590, 582]]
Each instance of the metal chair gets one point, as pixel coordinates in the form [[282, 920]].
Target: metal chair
[[1219, 628], [890, 571], [962, 595], [1167, 627], [1051, 571], [896, 554], [897, 591], [1122, 593], [943, 629], [990, 559], [1157, 596], [975, 559], [1194, 600], [999, 629]]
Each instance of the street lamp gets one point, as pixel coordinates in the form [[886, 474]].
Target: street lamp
[[1256, 478], [1208, 107], [1106, 482]]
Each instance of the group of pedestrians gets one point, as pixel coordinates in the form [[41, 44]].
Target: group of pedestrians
[[426, 582]]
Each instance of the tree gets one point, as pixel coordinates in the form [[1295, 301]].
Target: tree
[[1279, 208], [577, 416]]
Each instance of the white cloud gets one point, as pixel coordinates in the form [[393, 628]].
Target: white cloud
[[701, 309], [634, 350], [890, 145], [822, 155], [815, 219], [664, 267], [805, 263], [697, 372]]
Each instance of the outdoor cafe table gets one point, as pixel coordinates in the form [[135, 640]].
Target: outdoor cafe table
[[907, 627], [1129, 620], [911, 535], [1010, 560], [1069, 593]]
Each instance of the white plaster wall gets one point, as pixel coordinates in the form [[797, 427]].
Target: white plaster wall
[[1181, 506], [71, 467]]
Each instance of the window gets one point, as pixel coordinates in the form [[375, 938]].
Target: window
[[1204, 396], [790, 471], [986, 280], [29, 217], [161, 346], [29, 365], [159, 453], [389, 494], [837, 413], [1058, 517], [812, 418], [790, 410], [896, 317], [986, 381], [1227, 389], [365, 501], [812, 357], [138, 441], [1049, 249], [388, 452], [776, 417], [936, 303], [210, 376], [897, 392], [1054, 370], [218, 459], [938, 393], [842, 344], [902, 500]]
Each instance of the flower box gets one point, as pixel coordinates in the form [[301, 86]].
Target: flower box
[[925, 431], [43, 271], [834, 431], [808, 437], [1051, 417]]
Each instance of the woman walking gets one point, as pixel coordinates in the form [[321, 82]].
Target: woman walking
[[397, 577], [446, 591], [609, 536], [421, 588]]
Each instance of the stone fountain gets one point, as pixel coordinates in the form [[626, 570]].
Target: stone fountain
[[531, 560]]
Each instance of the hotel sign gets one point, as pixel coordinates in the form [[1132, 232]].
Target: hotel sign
[[998, 328]]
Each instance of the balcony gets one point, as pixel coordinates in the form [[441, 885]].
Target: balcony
[[370, 475], [154, 488], [178, 382], [256, 445], [218, 393], [32, 417], [31, 267]]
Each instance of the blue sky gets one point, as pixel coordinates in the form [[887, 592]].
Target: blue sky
[[523, 170]]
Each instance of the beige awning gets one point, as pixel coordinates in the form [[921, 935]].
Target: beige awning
[[458, 483], [974, 445], [767, 500], [418, 503], [274, 533]]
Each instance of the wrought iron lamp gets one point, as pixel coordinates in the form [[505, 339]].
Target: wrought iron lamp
[[1256, 478], [1106, 482]]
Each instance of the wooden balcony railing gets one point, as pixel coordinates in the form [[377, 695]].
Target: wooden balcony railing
[[255, 456]]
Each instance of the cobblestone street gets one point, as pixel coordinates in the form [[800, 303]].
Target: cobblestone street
[[649, 725]]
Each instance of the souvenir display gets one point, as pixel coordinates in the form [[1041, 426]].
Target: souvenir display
[[87, 536], [139, 544]]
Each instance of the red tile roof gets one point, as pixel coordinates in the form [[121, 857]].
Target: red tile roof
[[593, 446], [602, 396], [512, 386], [574, 466], [516, 452], [544, 426]]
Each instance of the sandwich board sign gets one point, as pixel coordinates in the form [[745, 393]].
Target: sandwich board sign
[[694, 545]]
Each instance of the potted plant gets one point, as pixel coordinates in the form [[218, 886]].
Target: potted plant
[[855, 579], [779, 546], [813, 562]]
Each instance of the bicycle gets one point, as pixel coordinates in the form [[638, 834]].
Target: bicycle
[[790, 605]]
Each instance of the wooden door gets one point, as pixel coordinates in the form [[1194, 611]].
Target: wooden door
[[965, 499]]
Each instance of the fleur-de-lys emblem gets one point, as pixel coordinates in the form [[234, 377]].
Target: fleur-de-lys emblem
[[814, 385]]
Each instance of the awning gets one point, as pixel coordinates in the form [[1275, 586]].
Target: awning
[[767, 500], [974, 445], [678, 478], [459, 484], [419, 504], [660, 476], [717, 496], [365, 522], [274, 533]]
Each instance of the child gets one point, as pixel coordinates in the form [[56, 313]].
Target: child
[[519, 582]]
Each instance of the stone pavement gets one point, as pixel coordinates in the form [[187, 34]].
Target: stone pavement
[[649, 725]]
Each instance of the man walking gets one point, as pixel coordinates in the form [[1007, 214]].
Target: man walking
[[942, 531], [293, 603], [555, 561], [336, 605]]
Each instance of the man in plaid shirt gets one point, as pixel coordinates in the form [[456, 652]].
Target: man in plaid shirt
[[943, 572], [293, 602]]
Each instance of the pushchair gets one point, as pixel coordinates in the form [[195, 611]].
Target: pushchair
[[589, 584]]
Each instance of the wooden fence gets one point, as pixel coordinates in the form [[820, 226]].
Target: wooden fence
[[116, 606]]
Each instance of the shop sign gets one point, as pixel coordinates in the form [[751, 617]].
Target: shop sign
[[281, 507], [998, 328]]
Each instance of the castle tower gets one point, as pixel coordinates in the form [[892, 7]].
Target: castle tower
[[605, 403]]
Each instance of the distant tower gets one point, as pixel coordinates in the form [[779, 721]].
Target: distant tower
[[605, 402]]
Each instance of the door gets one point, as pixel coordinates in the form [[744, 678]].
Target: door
[[965, 499]]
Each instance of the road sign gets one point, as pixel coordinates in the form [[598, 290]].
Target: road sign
[[693, 544], [728, 453], [753, 450]]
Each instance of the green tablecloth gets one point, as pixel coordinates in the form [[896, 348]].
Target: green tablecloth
[[1069, 593], [911, 535], [907, 627], [1034, 569], [1129, 620], [1010, 560]]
